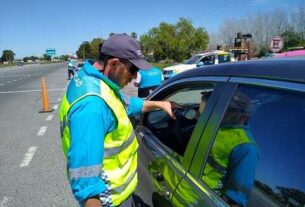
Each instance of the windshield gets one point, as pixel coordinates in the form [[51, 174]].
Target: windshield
[[193, 60]]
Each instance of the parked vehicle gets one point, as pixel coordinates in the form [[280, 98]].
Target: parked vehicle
[[198, 60], [176, 157], [19, 63], [294, 53]]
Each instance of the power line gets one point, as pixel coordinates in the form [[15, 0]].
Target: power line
[[214, 10]]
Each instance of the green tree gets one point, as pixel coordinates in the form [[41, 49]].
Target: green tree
[[25, 59], [174, 41], [33, 58], [8, 55], [94, 48], [292, 39], [46, 57], [64, 57], [84, 50], [134, 35]]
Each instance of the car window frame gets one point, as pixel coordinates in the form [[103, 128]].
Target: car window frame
[[209, 134], [220, 83]]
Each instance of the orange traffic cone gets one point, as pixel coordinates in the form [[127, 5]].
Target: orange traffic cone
[[45, 100]]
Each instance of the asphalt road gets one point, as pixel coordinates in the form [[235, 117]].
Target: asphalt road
[[32, 165]]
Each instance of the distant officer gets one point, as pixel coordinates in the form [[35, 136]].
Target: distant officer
[[148, 80], [71, 67]]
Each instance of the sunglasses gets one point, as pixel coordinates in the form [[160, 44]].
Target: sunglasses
[[132, 69]]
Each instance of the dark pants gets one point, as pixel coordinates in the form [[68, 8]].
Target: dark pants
[[69, 74], [144, 92]]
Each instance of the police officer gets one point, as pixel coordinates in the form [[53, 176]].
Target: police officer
[[71, 68], [147, 81], [97, 137]]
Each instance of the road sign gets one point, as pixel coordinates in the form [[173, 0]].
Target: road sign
[[51, 52], [276, 44]]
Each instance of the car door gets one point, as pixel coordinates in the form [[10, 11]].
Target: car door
[[265, 170], [166, 145]]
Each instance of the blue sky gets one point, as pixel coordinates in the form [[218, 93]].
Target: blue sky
[[28, 27]]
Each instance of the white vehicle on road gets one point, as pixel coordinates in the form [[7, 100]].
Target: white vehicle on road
[[198, 60]]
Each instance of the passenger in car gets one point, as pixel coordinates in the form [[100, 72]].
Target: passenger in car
[[231, 164]]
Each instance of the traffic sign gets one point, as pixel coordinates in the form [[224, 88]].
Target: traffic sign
[[276, 44]]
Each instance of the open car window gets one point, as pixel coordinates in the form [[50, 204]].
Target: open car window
[[175, 134]]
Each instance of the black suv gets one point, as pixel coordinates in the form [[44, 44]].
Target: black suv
[[238, 139]]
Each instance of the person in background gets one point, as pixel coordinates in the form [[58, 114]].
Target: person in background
[[98, 139], [71, 68], [148, 80]]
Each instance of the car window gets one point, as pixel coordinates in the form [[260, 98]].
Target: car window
[[224, 58], [193, 60], [208, 60], [175, 134], [257, 158]]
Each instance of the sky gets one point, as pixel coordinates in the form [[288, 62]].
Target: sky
[[28, 27]]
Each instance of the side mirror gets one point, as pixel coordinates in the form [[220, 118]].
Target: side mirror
[[200, 64]]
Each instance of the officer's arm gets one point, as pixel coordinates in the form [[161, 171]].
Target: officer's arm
[[164, 105]]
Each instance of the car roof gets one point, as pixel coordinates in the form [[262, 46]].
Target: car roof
[[213, 52], [288, 69]]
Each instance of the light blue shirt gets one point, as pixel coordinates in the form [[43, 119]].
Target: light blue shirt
[[149, 78]]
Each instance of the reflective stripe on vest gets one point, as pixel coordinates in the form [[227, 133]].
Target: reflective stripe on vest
[[226, 140], [120, 145], [115, 150]]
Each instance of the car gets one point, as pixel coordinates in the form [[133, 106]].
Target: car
[[208, 58], [244, 146], [19, 63], [294, 53]]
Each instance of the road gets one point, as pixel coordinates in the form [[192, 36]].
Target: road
[[32, 165]]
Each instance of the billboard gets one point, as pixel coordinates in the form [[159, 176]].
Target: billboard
[[51, 52]]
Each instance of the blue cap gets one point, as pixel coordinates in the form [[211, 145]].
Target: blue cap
[[125, 47]]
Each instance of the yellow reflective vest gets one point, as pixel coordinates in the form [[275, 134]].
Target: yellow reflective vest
[[120, 145], [226, 140]]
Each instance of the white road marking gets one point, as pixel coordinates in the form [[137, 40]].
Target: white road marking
[[2, 84], [28, 156], [14, 80], [49, 118], [42, 131], [30, 91], [9, 82], [55, 106]]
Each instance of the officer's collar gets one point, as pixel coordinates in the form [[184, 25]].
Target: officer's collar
[[92, 71]]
